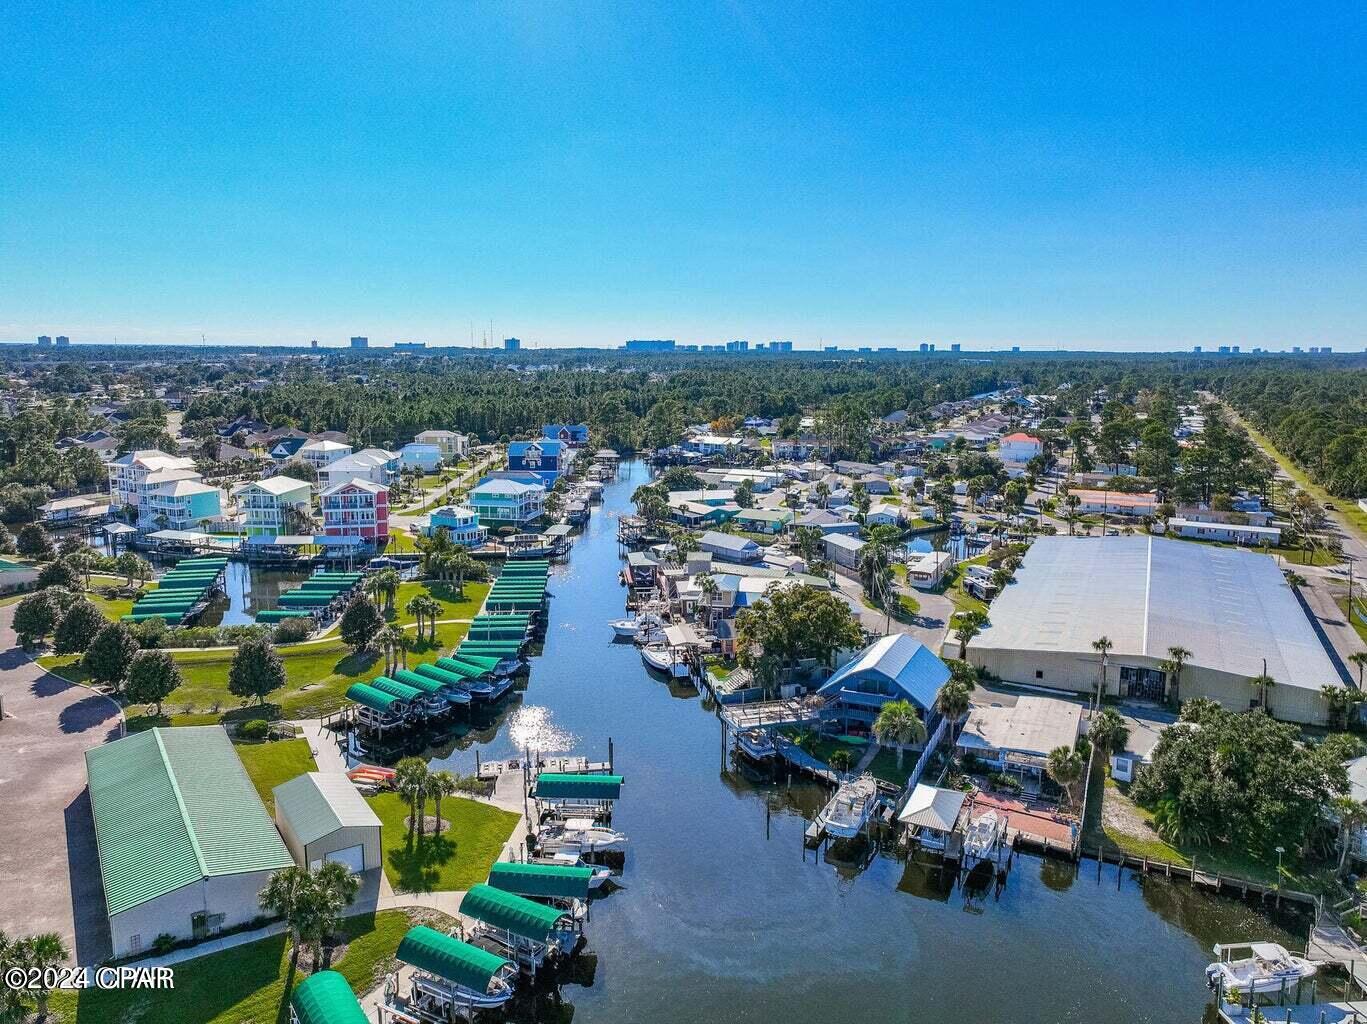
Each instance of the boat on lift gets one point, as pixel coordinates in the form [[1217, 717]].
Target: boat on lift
[[849, 810], [756, 744], [984, 836], [571, 859], [1268, 969], [579, 836], [630, 628], [662, 659]]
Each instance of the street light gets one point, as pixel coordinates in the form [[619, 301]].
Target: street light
[[1280, 850]]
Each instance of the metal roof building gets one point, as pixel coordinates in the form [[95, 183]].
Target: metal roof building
[[1230, 608], [185, 844], [322, 817]]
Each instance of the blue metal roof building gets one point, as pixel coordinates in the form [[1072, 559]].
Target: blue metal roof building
[[897, 667]]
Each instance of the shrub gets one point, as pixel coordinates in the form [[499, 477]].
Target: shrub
[[256, 729], [163, 944], [61, 573], [292, 631], [78, 627], [110, 654], [35, 617], [34, 542]]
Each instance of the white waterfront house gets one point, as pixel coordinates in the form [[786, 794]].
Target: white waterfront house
[[271, 505]]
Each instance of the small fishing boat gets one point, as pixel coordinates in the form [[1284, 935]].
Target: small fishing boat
[[626, 629], [1268, 969], [984, 835], [662, 659], [580, 836], [848, 812], [756, 744], [568, 858]]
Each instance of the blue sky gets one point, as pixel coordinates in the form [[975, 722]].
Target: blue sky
[[1137, 176]]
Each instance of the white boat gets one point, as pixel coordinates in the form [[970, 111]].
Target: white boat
[[756, 744], [1268, 969], [848, 812], [984, 834], [578, 835], [570, 859], [629, 628], [661, 658]]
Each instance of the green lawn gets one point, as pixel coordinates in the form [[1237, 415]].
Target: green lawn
[[270, 763], [1342, 601], [247, 984], [113, 608], [453, 606], [454, 860], [317, 677], [884, 766]]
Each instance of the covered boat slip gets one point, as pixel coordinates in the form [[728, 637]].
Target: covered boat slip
[[451, 979], [325, 998], [526, 931], [180, 592], [448, 690], [376, 709], [542, 881], [316, 592], [577, 794]]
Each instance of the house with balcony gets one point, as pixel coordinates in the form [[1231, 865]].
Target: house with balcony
[[321, 454], [180, 505], [274, 506], [547, 459], [573, 434], [897, 667], [357, 509], [373, 464], [166, 491], [451, 444], [498, 502], [461, 524], [1020, 447]]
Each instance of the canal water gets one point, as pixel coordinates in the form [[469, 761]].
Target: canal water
[[722, 918]]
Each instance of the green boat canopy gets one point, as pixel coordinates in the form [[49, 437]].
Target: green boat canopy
[[368, 696], [565, 786], [427, 684], [401, 690], [448, 667], [560, 881], [326, 998], [535, 922], [429, 950]]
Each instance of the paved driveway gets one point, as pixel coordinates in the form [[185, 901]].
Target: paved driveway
[[48, 858]]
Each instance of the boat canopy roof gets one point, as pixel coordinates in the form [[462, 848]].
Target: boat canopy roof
[[401, 690], [448, 957], [426, 684], [368, 696], [566, 786], [512, 913], [562, 881], [326, 998]]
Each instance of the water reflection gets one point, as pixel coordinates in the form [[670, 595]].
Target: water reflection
[[531, 728]]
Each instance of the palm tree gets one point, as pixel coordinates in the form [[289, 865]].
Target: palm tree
[[440, 784], [954, 700], [1108, 732], [968, 625], [1176, 659], [335, 889], [43, 953], [1359, 658], [389, 640], [417, 607], [387, 583], [899, 724], [410, 779], [1072, 501], [1351, 816], [1102, 645], [1261, 683], [403, 643], [841, 760], [433, 608], [707, 586], [1065, 767], [823, 492], [291, 894]]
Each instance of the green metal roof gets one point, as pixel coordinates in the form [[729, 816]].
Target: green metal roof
[[444, 677], [376, 700], [544, 880], [565, 786], [478, 661], [172, 806], [317, 804], [326, 998], [401, 690], [512, 913], [429, 950], [427, 684], [452, 668]]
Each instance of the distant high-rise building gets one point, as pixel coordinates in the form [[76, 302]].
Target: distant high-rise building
[[410, 346], [954, 347], [359, 342], [1326, 350], [780, 346], [932, 346], [313, 343], [1015, 348], [44, 340], [831, 348], [759, 346], [1234, 349], [1196, 349], [865, 348], [887, 348], [1295, 349], [63, 341], [650, 345], [512, 344], [737, 346], [1223, 350], [924, 347]]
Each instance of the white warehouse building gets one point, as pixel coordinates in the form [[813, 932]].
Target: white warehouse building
[[323, 818], [1230, 608]]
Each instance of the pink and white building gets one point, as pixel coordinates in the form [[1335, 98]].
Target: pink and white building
[[356, 508]]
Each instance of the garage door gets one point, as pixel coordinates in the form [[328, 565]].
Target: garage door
[[353, 857]]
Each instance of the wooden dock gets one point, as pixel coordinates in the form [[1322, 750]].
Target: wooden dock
[[1306, 1013], [561, 765]]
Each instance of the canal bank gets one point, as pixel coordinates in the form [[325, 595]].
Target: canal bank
[[722, 918]]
